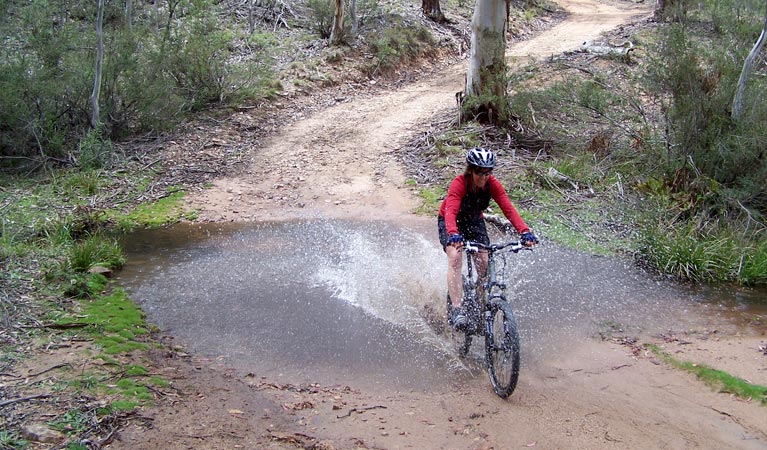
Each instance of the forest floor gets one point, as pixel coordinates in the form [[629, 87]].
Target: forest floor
[[337, 155]]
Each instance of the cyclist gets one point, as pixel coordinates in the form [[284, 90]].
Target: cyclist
[[461, 217]]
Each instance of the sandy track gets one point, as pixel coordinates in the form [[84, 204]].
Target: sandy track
[[340, 162]]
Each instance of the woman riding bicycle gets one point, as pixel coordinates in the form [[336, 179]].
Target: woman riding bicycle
[[461, 217]]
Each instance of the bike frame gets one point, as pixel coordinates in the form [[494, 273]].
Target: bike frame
[[493, 289], [482, 314]]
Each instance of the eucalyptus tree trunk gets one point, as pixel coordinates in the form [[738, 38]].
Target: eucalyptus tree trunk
[[484, 96], [95, 113], [737, 102], [432, 10], [353, 14], [129, 14], [337, 32], [251, 16]]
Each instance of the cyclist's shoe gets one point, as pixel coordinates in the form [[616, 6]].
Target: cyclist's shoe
[[458, 318]]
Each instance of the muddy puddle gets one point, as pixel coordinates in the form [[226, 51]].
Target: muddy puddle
[[342, 302]]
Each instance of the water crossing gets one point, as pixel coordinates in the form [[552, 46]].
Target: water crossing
[[343, 301]]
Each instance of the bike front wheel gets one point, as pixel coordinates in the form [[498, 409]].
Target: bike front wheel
[[502, 348]]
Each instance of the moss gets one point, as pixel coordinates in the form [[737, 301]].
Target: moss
[[432, 197], [164, 211], [716, 379]]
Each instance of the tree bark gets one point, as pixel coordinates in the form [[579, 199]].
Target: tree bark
[[251, 16], [96, 93], [129, 14], [353, 14], [740, 92], [337, 32], [432, 10], [485, 90]]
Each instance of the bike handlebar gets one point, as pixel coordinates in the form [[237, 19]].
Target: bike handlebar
[[514, 246]]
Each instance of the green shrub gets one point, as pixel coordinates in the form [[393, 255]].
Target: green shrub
[[322, 16], [754, 269], [700, 78], [688, 253], [400, 43], [94, 150], [96, 250], [151, 79]]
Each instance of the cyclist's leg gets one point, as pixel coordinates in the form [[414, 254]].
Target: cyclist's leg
[[480, 262], [454, 278], [454, 263], [476, 230]]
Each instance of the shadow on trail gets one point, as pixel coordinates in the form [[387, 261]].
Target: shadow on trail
[[341, 302]]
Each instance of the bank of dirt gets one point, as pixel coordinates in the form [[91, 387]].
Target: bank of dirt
[[342, 161]]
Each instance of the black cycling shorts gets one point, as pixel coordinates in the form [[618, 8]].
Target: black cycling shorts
[[472, 229]]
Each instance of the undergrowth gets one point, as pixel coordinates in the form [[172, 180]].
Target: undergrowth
[[57, 244], [649, 134]]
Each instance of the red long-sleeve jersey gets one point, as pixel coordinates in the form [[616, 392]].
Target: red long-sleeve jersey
[[461, 202]]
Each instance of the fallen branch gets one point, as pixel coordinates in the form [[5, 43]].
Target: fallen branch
[[64, 326], [49, 369], [360, 410], [23, 399]]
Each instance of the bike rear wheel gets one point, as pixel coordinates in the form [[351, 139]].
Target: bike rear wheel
[[502, 348]]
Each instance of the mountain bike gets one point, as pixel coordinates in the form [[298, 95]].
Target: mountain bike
[[490, 316]]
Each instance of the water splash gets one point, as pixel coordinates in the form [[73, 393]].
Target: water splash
[[349, 297]]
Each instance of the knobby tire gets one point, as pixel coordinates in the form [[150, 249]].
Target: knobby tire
[[502, 349]]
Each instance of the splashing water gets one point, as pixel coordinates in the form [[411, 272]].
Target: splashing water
[[320, 297], [337, 301]]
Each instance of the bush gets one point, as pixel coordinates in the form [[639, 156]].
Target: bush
[[150, 79], [400, 43], [94, 150], [322, 16], [96, 250], [705, 141], [754, 269]]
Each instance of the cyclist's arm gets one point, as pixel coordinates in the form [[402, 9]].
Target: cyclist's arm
[[452, 204], [502, 199]]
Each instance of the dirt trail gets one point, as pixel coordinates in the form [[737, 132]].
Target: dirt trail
[[340, 163]]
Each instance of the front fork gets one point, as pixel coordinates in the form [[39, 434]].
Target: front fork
[[489, 339], [487, 312]]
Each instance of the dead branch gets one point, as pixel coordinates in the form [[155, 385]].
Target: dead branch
[[23, 399], [57, 366], [62, 326], [360, 410]]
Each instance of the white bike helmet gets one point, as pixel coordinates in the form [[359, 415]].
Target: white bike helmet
[[481, 157]]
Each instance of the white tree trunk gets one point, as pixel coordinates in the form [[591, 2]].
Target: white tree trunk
[[355, 21], [488, 43], [740, 92], [129, 14], [337, 32], [251, 17], [95, 113]]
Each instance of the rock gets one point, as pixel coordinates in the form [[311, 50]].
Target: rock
[[41, 433], [107, 272]]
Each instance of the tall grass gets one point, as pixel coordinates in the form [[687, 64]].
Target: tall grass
[[698, 254], [96, 250]]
